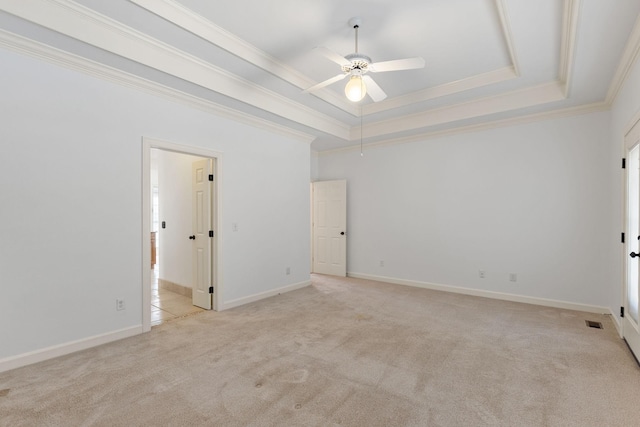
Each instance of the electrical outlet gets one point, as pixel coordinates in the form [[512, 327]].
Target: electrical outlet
[[513, 277], [234, 226], [119, 304], [381, 263], [288, 271], [481, 274]]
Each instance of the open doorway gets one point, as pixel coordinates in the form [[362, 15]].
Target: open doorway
[[173, 235], [180, 214]]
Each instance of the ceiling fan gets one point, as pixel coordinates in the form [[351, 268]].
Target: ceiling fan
[[357, 65]]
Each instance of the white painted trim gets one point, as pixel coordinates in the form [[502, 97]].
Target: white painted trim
[[501, 8], [632, 338], [530, 118], [616, 322], [568, 42], [623, 249], [262, 295], [486, 294], [629, 58], [207, 30], [217, 156], [82, 23], [473, 82], [628, 328], [34, 49], [196, 24], [522, 98], [79, 14], [146, 231], [43, 354]]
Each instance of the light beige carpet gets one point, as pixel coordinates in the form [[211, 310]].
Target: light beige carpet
[[343, 352]]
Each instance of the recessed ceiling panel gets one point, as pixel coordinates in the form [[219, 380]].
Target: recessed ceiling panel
[[486, 60], [457, 38]]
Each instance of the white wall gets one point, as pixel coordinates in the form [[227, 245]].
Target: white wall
[[175, 208], [314, 166], [529, 199], [71, 197], [625, 109]]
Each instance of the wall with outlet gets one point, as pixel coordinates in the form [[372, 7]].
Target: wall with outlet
[[477, 210], [71, 208]]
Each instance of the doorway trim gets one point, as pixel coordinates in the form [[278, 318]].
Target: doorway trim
[[147, 145]]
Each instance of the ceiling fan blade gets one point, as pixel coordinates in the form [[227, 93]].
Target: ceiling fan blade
[[335, 57], [373, 90], [325, 83], [397, 64]]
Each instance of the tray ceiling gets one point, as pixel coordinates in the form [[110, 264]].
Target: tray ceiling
[[486, 60]]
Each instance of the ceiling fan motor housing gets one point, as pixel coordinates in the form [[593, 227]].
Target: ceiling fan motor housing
[[359, 64]]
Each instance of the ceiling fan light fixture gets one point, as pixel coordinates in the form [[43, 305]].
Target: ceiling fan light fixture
[[355, 89]]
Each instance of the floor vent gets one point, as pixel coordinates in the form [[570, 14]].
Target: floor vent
[[592, 324]]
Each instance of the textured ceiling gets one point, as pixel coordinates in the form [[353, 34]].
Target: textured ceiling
[[486, 60]]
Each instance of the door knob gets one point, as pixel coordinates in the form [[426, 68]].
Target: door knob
[[633, 254], [192, 237], [342, 233]]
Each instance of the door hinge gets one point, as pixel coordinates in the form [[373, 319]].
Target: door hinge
[[211, 177], [621, 311], [211, 233], [210, 289], [622, 238], [624, 163]]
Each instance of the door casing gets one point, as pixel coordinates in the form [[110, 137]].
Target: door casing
[[629, 328], [147, 145]]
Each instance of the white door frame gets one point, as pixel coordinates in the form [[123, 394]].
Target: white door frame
[[628, 328], [147, 145]]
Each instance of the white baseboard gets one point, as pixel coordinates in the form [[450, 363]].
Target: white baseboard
[[262, 295], [486, 294], [616, 322], [36, 356]]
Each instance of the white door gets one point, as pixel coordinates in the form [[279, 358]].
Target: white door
[[330, 227], [202, 225], [630, 322]]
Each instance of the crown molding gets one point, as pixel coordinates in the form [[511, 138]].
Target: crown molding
[[81, 23], [196, 24], [629, 59], [473, 82], [501, 8], [517, 99], [569, 29], [527, 97], [40, 51], [530, 118], [462, 85], [570, 19]]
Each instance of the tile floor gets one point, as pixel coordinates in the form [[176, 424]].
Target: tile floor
[[167, 305]]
